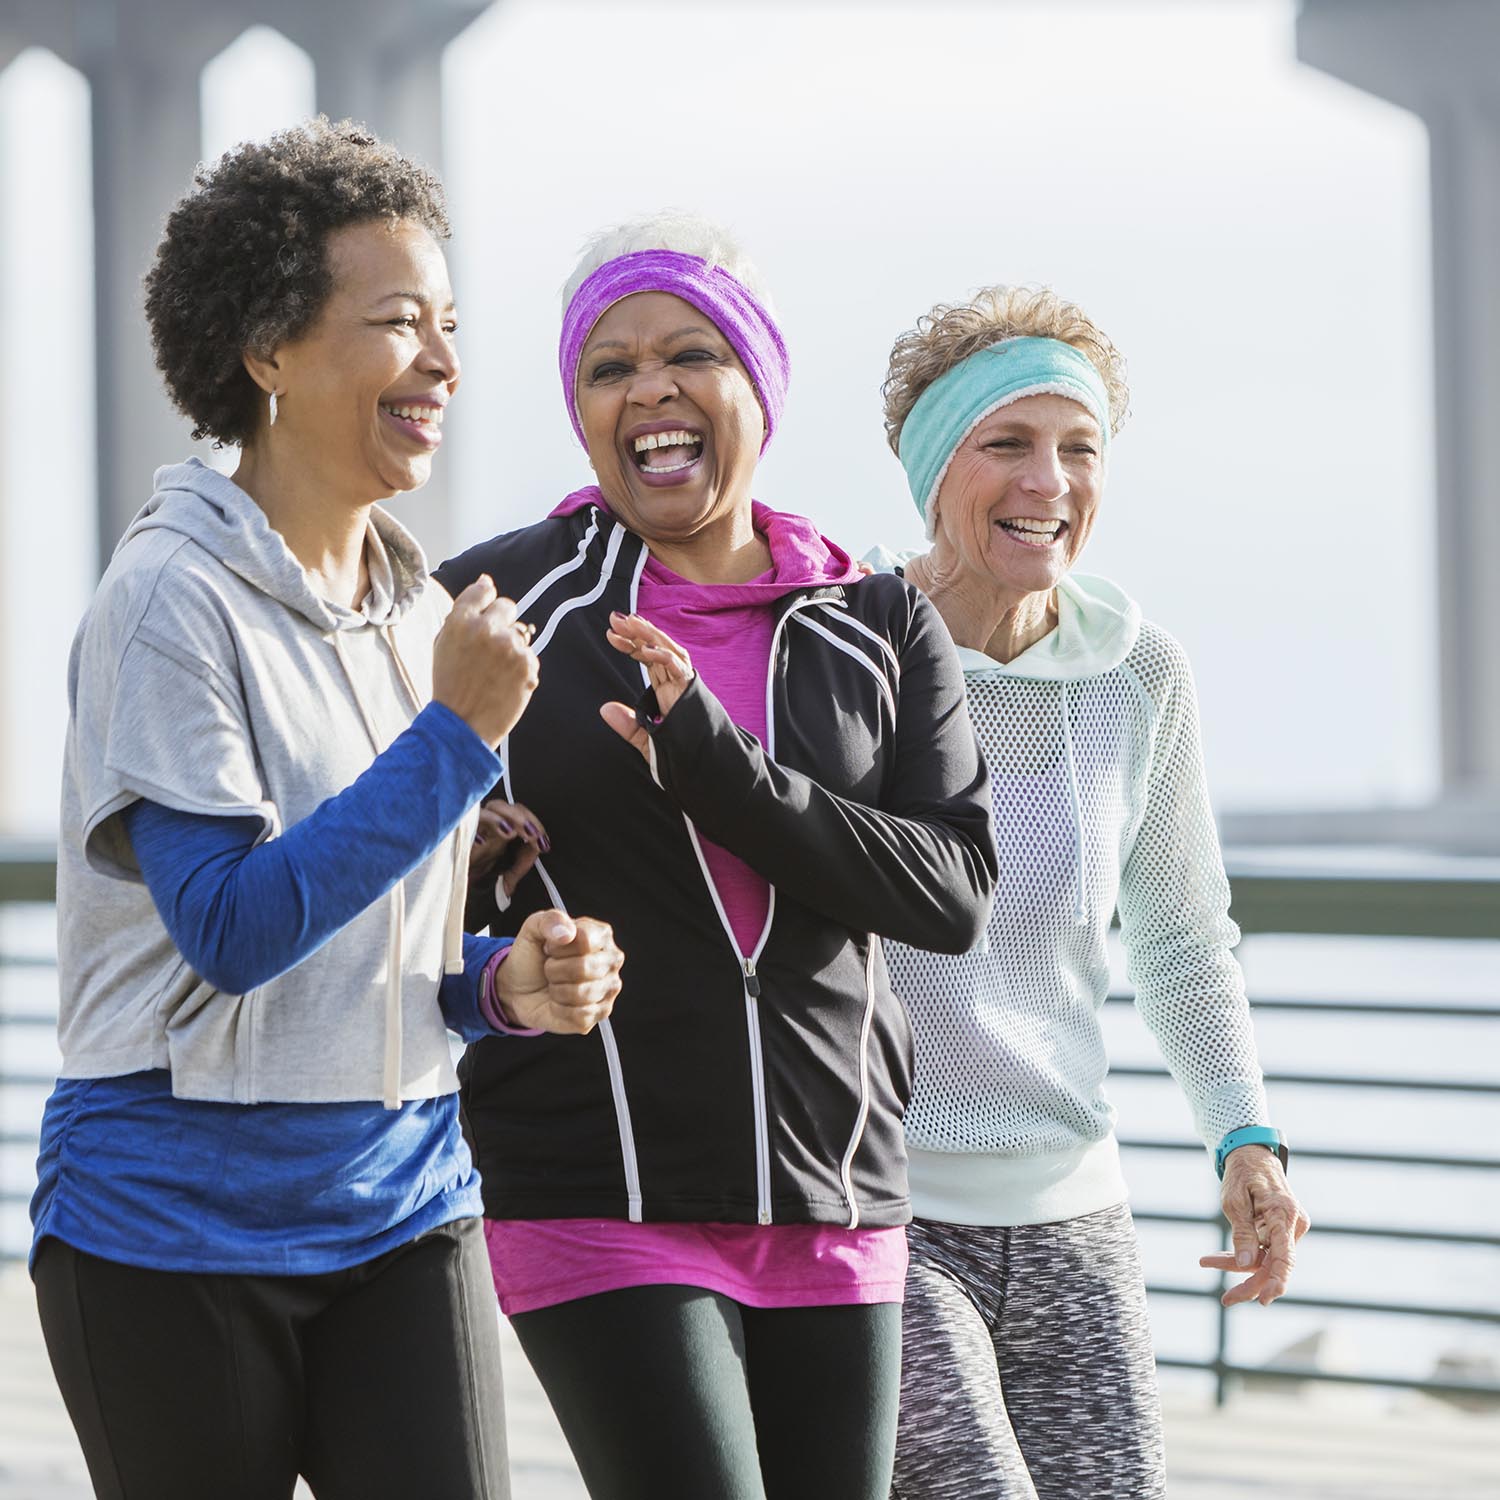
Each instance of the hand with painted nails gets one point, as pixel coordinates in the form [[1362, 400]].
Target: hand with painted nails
[[668, 668], [562, 974], [506, 845], [1266, 1222], [483, 667]]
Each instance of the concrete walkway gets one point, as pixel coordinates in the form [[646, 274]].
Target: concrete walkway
[[1323, 1444]]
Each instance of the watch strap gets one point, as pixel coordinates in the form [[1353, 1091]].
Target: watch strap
[[1251, 1135]]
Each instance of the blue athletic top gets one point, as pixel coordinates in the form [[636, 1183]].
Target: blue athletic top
[[128, 1172]]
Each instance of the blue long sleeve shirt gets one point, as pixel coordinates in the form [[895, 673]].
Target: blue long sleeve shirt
[[128, 1172]]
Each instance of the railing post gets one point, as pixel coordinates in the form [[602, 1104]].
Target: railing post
[[1221, 1328]]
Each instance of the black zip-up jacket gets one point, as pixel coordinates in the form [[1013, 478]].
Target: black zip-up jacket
[[728, 1087]]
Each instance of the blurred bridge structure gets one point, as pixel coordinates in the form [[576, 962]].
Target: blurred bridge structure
[[376, 61], [1441, 61]]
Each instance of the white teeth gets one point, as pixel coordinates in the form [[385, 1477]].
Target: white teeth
[[1034, 528], [665, 440], [672, 468], [433, 414]]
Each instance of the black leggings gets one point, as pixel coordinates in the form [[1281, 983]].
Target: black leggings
[[671, 1391], [383, 1380]]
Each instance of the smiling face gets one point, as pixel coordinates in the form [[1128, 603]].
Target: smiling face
[[671, 420], [1019, 499], [363, 391]]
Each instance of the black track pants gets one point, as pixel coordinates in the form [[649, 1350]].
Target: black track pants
[[671, 1391], [379, 1381]]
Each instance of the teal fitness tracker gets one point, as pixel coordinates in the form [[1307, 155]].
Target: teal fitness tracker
[[1251, 1135]]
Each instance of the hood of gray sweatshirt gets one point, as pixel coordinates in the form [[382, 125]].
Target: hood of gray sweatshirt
[[210, 677]]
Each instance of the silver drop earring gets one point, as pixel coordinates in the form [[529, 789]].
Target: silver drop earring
[[273, 409]]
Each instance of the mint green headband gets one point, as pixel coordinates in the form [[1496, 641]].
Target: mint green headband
[[958, 401]]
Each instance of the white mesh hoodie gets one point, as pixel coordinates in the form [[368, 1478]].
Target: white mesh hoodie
[[1096, 769]]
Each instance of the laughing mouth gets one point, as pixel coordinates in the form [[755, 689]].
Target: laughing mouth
[[1033, 532], [667, 452]]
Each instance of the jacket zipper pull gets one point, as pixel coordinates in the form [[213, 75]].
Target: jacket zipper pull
[[752, 982]]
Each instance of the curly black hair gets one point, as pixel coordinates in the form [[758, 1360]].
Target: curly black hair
[[243, 263]]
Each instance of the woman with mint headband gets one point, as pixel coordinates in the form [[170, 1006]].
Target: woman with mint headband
[[1027, 1368]]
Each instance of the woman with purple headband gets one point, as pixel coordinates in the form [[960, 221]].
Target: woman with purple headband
[[751, 761]]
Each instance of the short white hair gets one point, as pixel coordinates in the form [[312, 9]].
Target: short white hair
[[670, 229]]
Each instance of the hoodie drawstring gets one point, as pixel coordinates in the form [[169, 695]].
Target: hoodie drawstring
[[458, 895], [396, 945], [1067, 731]]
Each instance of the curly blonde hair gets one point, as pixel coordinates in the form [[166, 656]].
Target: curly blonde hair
[[951, 332]]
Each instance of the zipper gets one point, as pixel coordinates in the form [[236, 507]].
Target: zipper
[[758, 1086], [750, 979], [862, 1115], [751, 983]]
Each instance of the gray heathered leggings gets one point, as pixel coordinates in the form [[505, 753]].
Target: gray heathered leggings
[[1026, 1365]]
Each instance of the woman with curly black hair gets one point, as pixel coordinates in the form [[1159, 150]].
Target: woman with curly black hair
[[257, 1251]]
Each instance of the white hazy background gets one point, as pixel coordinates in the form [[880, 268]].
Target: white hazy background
[[1253, 234]]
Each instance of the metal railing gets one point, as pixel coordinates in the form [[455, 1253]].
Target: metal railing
[[1450, 903], [1219, 1364]]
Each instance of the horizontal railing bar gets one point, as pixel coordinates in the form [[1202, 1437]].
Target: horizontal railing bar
[[1361, 1008], [1378, 1158], [1363, 1231], [1337, 1080], [1335, 1304], [1349, 904], [1337, 1377], [27, 1080], [32, 1018], [27, 961]]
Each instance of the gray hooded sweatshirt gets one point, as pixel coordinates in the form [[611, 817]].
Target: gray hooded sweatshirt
[[208, 677]]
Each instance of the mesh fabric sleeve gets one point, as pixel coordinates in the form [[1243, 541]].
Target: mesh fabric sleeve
[[1174, 919]]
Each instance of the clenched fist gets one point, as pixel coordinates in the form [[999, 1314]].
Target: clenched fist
[[483, 667], [562, 973]]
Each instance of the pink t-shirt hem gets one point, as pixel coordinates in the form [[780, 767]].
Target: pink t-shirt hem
[[540, 1263], [859, 1294]]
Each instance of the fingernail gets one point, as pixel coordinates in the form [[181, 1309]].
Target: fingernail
[[558, 933], [545, 844], [532, 831], [1244, 1258], [507, 826], [615, 614]]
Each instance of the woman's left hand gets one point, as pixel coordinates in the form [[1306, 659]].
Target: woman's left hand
[[562, 974], [507, 841], [1266, 1221], [667, 665]]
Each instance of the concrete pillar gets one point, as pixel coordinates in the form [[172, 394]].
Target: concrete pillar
[[1438, 59], [380, 62], [142, 59]]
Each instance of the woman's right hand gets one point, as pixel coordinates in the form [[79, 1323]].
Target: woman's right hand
[[669, 670], [483, 667]]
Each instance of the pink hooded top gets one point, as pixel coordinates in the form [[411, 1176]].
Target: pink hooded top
[[726, 629]]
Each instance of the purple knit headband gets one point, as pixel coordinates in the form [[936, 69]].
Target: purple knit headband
[[751, 332]]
